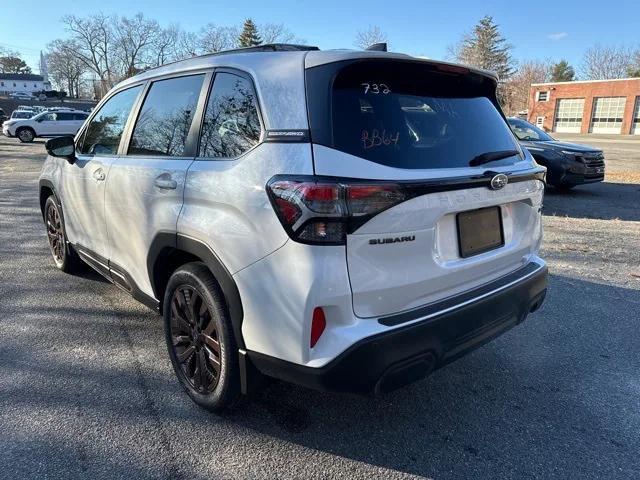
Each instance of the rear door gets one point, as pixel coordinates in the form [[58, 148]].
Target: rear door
[[435, 135], [145, 188], [65, 124]]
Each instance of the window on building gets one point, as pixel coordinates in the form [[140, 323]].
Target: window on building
[[165, 118], [607, 114], [103, 134], [539, 122], [231, 125], [569, 115], [543, 96], [635, 129]]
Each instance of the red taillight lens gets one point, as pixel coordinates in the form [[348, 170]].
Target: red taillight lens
[[322, 211], [366, 199], [318, 324]]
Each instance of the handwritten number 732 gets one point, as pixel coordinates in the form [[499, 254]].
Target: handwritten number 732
[[376, 88]]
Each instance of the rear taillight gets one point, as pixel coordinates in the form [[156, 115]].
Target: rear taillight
[[318, 324], [323, 211]]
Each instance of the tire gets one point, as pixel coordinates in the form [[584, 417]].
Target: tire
[[200, 339], [25, 134], [64, 257]]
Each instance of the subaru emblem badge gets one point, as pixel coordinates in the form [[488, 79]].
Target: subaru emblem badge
[[499, 181]]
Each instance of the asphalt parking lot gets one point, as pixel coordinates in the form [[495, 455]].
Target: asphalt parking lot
[[87, 390]]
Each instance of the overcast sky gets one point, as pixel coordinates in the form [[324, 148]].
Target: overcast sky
[[537, 30]]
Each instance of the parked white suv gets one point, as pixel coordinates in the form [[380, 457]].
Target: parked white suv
[[45, 124], [348, 221]]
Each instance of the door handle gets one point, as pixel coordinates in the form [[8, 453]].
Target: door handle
[[165, 183], [98, 174]]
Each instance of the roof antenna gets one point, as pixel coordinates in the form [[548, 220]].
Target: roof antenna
[[378, 47]]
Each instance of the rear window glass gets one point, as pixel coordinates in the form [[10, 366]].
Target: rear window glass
[[409, 115]]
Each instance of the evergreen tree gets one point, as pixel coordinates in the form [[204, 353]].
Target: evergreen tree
[[249, 36], [485, 48], [562, 72]]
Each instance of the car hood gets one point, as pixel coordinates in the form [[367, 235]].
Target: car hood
[[557, 145]]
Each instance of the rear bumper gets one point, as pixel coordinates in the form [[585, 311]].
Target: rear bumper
[[433, 337]]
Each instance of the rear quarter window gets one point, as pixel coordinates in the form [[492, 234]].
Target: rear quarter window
[[406, 114]]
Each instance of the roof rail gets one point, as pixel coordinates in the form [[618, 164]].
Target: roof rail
[[268, 47]]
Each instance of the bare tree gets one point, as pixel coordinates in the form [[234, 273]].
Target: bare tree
[[187, 45], [606, 62], [214, 38], [366, 38], [65, 68], [516, 89], [132, 42], [163, 48], [278, 33], [93, 37]]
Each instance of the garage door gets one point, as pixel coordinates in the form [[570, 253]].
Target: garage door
[[607, 114], [635, 128], [568, 115]]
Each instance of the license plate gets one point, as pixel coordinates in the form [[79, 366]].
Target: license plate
[[479, 231]]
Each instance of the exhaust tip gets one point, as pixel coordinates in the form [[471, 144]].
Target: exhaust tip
[[406, 372]]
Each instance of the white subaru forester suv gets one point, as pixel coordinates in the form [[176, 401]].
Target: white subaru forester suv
[[347, 221]]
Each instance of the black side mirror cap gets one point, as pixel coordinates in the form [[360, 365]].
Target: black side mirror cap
[[62, 147]]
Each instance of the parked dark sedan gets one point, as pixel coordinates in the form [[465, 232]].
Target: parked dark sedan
[[568, 164]]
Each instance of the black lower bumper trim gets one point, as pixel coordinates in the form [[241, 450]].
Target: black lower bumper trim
[[404, 354], [579, 179]]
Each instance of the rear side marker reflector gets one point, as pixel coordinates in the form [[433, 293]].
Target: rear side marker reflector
[[318, 324]]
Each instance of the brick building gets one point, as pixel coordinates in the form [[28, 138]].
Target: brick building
[[596, 106]]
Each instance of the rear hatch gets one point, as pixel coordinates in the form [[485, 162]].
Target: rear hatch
[[433, 136]]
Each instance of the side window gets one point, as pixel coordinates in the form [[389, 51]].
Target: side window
[[231, 125], [49, 117], [165, 118], [65, 117], [103, 134], [80, 116]]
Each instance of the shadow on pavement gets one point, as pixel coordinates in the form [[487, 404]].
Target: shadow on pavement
[[535, 399]]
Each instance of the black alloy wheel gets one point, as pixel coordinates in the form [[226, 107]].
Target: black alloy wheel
[[55, 233], [200, 339], [195, 339]]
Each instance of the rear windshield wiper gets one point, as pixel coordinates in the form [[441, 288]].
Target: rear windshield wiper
[[491, 156]]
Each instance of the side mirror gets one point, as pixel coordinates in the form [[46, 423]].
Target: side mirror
[[62, 147]]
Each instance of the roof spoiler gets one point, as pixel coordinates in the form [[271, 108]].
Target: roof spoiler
[[377, 47]]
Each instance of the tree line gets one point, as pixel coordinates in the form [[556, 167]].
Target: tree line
[[109, 48], [484, 47]]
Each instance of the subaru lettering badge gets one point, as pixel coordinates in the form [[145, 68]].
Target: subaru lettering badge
[[499, 181]]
